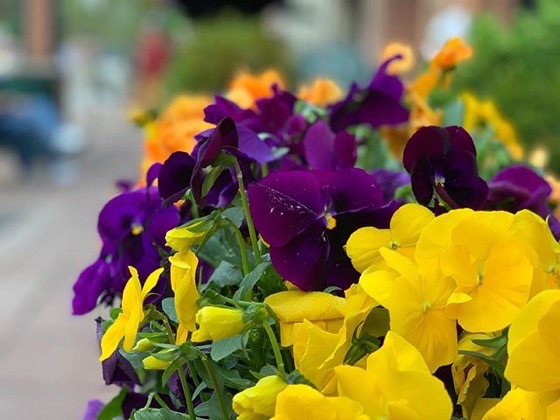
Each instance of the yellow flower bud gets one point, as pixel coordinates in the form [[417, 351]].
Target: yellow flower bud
[[258, 401], [143, 345], [216, 323], [153, 363]]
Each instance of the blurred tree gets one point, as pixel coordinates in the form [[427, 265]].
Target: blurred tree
[[518, 68], [217, 48]]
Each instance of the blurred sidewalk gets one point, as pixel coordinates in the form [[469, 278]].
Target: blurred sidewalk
[[48, 359]]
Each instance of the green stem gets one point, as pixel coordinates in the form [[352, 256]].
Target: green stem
[[194, 376], [170, 334], [216, 385], [194, 206], [186, 392], [242, 248], [160, 401], [275, 348], [248, 218]]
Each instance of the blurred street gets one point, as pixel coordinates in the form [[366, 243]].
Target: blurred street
[[48, 358]]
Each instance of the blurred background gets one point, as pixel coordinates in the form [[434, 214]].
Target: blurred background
[[72, 70]]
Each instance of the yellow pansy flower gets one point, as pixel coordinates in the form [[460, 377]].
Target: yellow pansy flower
[[216, 323], [533, 344], [519, 404], [404, 230], [153, 363], [293, 306], [184, 237], [183, 284], [127, 323], [258, 401], [297, 402], [317, 352], [321, 92], [416, 298], [396, 384]]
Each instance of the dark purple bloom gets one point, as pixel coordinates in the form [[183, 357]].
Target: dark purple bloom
[[307, 216], [132, 227], [443, 161], [327, 151], [377, 104], [518, 187], [93, 409], [390, 181]]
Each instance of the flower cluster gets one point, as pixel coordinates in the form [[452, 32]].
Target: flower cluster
[[279, 261]]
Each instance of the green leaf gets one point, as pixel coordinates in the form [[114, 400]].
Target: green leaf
[[223, 348], [453, 113], [495, 343], [158, 414], [225, 275], [250, 280], [201, 387], [235, 214], [114, 407], [168, 306], [491, 361]]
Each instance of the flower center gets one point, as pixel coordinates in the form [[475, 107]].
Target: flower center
[[331, 221], [136, 229]]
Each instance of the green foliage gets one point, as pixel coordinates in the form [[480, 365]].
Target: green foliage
[[518, 68], [217, 49]]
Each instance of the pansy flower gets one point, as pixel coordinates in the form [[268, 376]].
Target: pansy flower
[[132, 227], [442, 162], [306, 218], [325, 150], [377, 104]]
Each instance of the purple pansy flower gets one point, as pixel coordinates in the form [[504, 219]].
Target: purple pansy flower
[[442, 161], [518, 187], [390, 181], [132, 227], [327, 151], [93, 409], [377, 104], [307, 216]]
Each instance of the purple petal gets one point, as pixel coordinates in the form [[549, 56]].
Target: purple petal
[[118, 215], [302, 260], [353, 189], [117, 370], [175, 176], [461, 139], [93, 409], [222, 108], [428, 141], [253, 147], [389, 181], [160, 223], [224, 135], [421, 175], [318, 146], [283, 204], [153, 173], [90, 284]]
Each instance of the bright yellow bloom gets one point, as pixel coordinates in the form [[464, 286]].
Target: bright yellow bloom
[[259, 401], [404, 230], [519, 404], [127, 323], [492, 272], [245, 89], [293, 306], [468, 373], [452, 53], [184, 237], [298, 402], [321, 92], [416, 298], [317, 352], [216, 323], [402, 65], [542, 249], [396, 384], [183, 284], [533, 344]]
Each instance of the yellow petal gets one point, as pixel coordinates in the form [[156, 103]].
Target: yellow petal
[[183, 283], [259, 399], [408, 222], [361, 386], [153, 363], [151, 282], [363, 246], [216, 323], [112, 337], [131, 329], [132, 293]]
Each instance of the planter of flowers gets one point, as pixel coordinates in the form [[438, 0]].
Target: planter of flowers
[[379, 253]]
